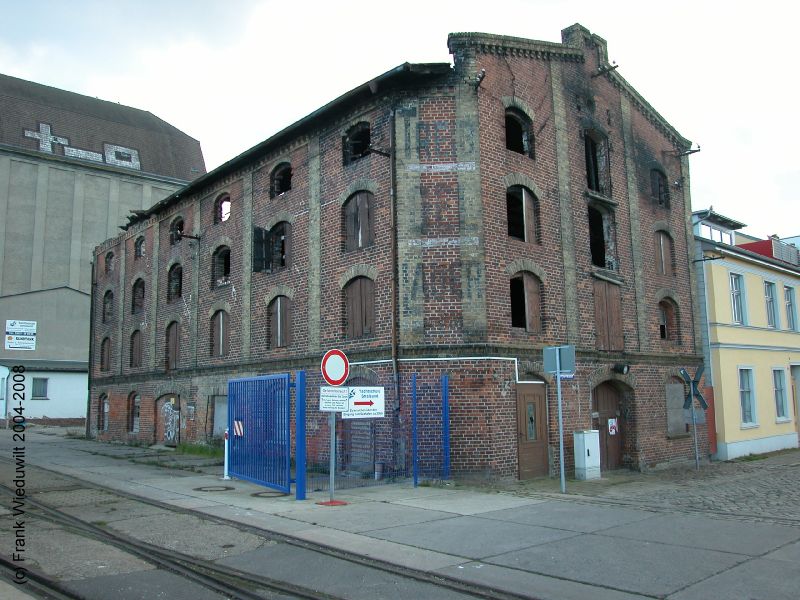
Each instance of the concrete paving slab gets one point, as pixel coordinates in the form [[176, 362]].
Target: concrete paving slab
[[192, 503], [697, 531], [398, 554], [14, 592], [254, 518], [77, 497], [789, 553], [337, 577], [531, 584], [487, 537], [138, 586], [397, 491], [468, 503], [627, 565], [112, 511], [757, 579], [572, 516], [364, 517]]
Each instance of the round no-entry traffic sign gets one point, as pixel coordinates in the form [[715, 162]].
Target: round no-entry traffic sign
[[335, 367]]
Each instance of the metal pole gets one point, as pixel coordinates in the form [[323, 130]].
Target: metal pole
[[560, 422], [332, 468], [694, 434], [225, 468]]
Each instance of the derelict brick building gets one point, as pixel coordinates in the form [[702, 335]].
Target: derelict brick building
[[436, 219]]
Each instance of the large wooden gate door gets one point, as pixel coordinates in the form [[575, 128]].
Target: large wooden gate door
[[606, 405], [531, 430]]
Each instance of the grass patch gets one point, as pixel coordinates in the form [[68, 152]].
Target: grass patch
[[201, 450]]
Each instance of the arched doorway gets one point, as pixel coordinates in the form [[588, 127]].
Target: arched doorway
[[608, 418], [168, 420]]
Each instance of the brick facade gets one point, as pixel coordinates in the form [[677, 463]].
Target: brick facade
[[446, 176]]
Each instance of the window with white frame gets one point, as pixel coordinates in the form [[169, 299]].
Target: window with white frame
[[769, 300], [791, 316], [746, 397], [779, 389], [737, 303]]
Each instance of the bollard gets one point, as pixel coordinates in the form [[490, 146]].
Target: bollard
[[225, 468]]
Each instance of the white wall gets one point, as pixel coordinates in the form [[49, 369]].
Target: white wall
[[66, 396]]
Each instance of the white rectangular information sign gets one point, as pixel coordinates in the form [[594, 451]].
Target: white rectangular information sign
[[333, 399], [365, 403], [20, 335]]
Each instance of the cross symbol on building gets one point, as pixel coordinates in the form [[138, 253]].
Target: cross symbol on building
[[46, 139]]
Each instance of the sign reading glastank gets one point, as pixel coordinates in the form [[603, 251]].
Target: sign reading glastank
[[364, 403], [20, 335]]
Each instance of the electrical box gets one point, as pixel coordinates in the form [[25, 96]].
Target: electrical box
[[587, 454]]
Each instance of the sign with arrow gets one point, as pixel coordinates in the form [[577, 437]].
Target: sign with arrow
[[364, 403]]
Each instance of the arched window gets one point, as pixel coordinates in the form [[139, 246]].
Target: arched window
[[219, 334], [665, 253], [519, 134], [667, 320], [102, 413], [221, 266], [526, 302], [355, 143], [222, 208], [281, 180], [109, 262], [522, 214], [659, 187], [358, 221], [359, 295], [597, 167], [172, 346], [280, 322], [137, 297], [174, 282], [105, 355], [138, 248], [175, 231], [134, 408], [108, 306], [136, 349]]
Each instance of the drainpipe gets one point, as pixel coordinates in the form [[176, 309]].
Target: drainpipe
[[395, 269], [88, 425]]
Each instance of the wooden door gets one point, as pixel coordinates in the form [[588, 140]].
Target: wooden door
[[531, 430], [606, 406]]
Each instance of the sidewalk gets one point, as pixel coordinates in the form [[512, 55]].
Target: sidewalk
[[624, 537]]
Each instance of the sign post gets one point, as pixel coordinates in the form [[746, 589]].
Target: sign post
[[335, 368], [694, 392], [558, 359]]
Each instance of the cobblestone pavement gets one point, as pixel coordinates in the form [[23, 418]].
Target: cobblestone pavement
[[760, 488]]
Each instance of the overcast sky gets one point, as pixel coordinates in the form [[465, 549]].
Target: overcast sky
[[232, 73]]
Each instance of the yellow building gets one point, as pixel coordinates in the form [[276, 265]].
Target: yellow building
[[751, 339]]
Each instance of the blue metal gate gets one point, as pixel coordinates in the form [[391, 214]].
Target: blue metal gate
[[259, 413]]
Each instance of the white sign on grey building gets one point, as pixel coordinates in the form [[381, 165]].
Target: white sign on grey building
[[20, 335]]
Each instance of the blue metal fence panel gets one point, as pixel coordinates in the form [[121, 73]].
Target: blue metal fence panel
[[259, 424]]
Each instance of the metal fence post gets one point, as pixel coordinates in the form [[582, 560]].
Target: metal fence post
[[300, 436], [414, 458], [445, 426]]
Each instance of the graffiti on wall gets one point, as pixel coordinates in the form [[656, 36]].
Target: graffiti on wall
[[172, 420]]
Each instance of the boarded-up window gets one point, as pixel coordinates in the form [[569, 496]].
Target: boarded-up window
[[597, 168], [102, 413], [220, 341], [105, 354], [608, 316], [136, 349], [665, 253], [137, 297], [280, 322], [676, 395], [174, 283], [358, 219], [272, 249], [221, 267], [522, 214], [172, 347], [108, 306], [526, 302], [359, 308]]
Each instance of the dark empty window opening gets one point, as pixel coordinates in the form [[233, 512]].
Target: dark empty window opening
[[596, 149], [667, 323], [356, 143], [221, 266], [271, 249], [597, 237], [138, 248], [659, 188], [175, 231], [137, 297], [109, 262], [518, 312], [174, 283], [281, 180], [108, 306], [522, 214], [222, 209], [526, 302], [519, 137], [126, 156], [357, 212]]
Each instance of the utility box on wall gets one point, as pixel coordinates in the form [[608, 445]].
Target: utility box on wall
[[587, 454]]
